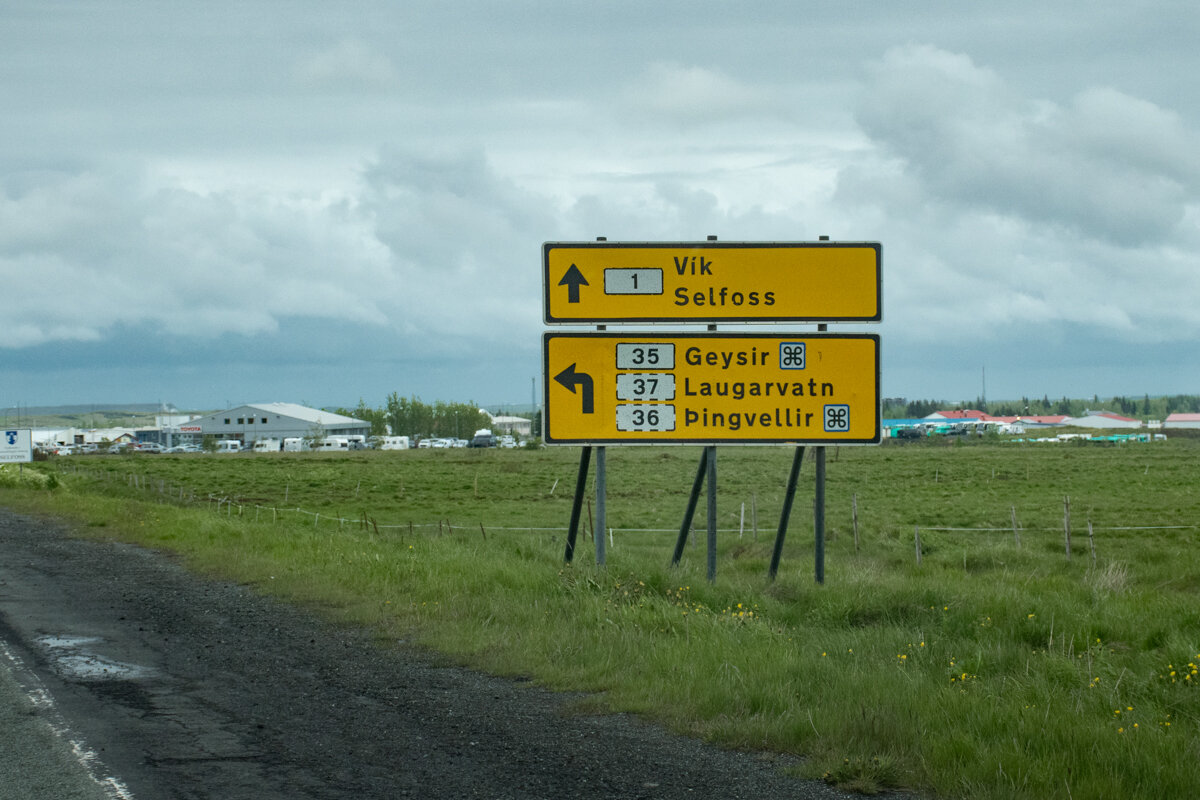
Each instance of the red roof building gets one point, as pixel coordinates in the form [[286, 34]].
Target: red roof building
[[965, 413]]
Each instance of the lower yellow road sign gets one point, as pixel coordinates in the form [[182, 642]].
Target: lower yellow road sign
[[711, 388]]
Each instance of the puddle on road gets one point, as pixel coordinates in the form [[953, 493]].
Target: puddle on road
[[73, 659], [66, 642]]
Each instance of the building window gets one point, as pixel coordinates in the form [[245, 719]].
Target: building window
[[264, 421], [241, 421], [250, 420], [227, 420]]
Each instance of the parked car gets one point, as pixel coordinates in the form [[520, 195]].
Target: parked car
[[151, 447]]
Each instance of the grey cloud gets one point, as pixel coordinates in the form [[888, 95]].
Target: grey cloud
[[973, 142], [349, 64], [194, 183], [690, 94], [111, 247], [459, 236]]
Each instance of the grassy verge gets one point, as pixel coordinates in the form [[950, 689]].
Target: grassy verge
[[995, 668]]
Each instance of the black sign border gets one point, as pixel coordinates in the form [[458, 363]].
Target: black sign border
[[707, 317], [547, 378]]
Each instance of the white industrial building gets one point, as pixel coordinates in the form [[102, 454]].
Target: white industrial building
[[249, 423], [1104, 419], [47, 438], [1178, 420], [518, 426]]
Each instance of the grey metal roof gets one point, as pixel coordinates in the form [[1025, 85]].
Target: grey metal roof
[[313, 415]]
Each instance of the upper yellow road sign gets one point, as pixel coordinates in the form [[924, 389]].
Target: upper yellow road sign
[[711, 282], [711, 388]]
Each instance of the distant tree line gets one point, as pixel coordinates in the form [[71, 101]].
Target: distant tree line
[[1145, 407], [408, 416]]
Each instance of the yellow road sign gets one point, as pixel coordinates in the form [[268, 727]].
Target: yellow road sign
[[598, 282], [711, 388]]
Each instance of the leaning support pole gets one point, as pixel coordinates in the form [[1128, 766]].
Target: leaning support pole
[[691, 508], [788, 496], [585, 456]]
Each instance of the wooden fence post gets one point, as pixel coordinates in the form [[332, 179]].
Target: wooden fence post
[[1092, 540], [854, 517], [1067, 523], [754, 514]]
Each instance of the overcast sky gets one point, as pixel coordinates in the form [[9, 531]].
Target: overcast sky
[[213, 203]]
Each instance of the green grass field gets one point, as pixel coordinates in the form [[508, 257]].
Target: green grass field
[[996, 668]]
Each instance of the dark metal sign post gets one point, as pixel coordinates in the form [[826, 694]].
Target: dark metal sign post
[[788, 496], [712, 513], [705, 473], [819, 518], [819, 511], [585, 456], [601, 505], [693, 499]]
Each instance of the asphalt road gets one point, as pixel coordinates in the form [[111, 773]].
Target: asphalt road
[[124, 676]]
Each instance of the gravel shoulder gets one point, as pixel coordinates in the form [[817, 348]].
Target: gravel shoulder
[[184, 687]]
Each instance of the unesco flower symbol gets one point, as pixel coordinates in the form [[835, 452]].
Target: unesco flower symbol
[[791, 355], [837, 418]]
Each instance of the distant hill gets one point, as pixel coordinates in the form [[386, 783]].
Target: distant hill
[[98, 415], [96, 408]]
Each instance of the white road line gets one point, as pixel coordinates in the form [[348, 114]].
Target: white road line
[[43, 701]]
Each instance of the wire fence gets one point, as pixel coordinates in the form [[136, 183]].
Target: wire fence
[[226, 504], [1059, 528]]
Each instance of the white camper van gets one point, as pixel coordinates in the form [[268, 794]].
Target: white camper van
[[333, 443], [267, 446], [294, 444], [229, 446], [394, 443]]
